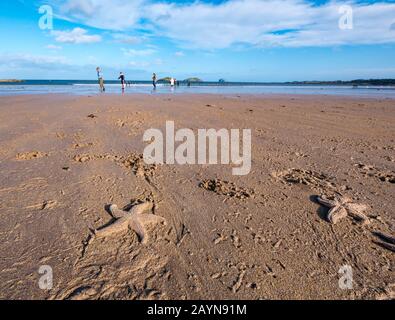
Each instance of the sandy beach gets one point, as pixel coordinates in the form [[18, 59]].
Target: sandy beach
[[64, 159]]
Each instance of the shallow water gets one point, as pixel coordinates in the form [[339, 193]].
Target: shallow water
[[115, 88]]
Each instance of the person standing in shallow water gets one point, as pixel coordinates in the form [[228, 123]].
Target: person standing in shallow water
[[101, 79], [123, 81], [154, 80]]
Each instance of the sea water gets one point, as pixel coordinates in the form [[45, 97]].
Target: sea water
[[79, 87]]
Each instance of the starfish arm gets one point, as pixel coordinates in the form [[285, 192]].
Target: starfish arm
[[141, 208], [140, 220], [117, 226], [387, 246], [116, 212], [357, 207], [326, 202], [356, 210], [336, 214], [139, 228], [344, 200], [150, 218], [385, 237]]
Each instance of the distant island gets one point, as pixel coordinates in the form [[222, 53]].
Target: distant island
[[194, 79], [358, 82], [10, 81], [166, 79]]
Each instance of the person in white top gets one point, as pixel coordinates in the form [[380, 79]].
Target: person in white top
[[172, 82], [101, 79]]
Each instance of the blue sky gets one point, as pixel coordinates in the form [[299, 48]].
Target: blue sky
[[238, 40]]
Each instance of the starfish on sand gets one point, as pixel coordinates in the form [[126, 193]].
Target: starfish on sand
[[134, 219], [340, 207]]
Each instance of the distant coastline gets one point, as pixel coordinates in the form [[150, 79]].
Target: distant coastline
[[221, 82], [358, 82], [10, 81]]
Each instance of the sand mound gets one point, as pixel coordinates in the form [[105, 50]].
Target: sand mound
[[226, 188], [30, 155]]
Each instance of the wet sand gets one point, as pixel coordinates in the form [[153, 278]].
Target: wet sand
[[64, 159]]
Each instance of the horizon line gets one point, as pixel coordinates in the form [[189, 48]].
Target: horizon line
[[10, 80]]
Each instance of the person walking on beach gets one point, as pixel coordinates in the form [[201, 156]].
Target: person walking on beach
[[123, 81], [101, 79], [154, 80], [172, 82]]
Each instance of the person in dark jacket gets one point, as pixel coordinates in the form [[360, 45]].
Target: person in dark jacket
[[123, 81]]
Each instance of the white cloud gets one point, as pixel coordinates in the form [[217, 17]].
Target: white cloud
[[124, 38], [53, 47], [284, 23], [18, 61], [76, 36], [104, 14], [137, 53], [137, 64], [265, 23], [180, 54], [32, 59], [145, 64], [27, 66]]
